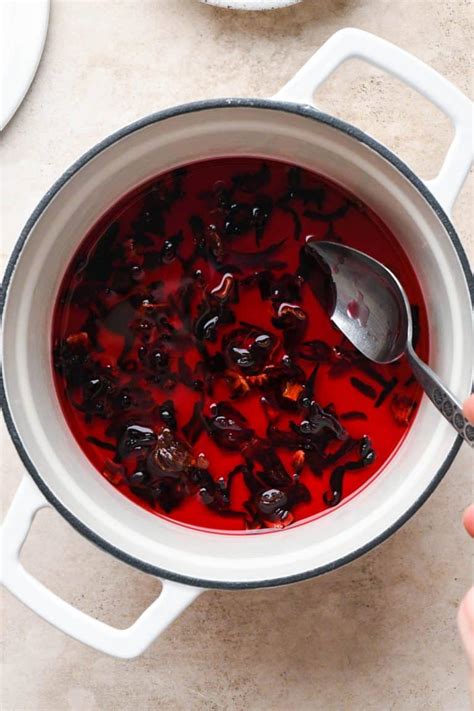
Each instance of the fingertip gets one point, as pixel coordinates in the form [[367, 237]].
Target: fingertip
[[468, 408], [468, 520], [465, 620]]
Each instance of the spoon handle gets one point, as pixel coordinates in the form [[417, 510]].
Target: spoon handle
[[440, 396]]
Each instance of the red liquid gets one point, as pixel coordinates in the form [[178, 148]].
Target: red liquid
[[144, 345]]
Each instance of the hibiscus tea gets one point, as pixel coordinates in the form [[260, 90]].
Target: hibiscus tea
[[196, 363]]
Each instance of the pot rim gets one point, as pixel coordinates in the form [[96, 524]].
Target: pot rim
[[266, 104]]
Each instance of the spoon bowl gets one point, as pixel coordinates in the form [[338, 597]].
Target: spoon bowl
[[370, 307]]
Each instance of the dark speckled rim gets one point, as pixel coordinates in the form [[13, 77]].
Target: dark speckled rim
[[269, 105]]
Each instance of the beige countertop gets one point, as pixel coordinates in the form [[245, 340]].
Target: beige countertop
[[377, 634]]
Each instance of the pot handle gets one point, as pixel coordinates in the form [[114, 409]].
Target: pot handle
[[356, 44], [123, 643]]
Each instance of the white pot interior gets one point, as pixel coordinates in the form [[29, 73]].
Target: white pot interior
[[27, 359]]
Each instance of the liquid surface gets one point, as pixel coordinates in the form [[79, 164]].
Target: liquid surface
[[194, 358]]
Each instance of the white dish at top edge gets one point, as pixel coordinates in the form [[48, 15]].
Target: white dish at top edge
[[251, 4]]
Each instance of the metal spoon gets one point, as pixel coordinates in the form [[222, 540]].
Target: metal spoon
[[372, 311]]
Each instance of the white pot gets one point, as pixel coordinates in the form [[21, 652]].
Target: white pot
[[285, 128]]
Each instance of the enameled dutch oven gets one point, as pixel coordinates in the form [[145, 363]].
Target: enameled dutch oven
[[287, 128]]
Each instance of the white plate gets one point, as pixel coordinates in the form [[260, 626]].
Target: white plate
[[24, 24], [251, 4]]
